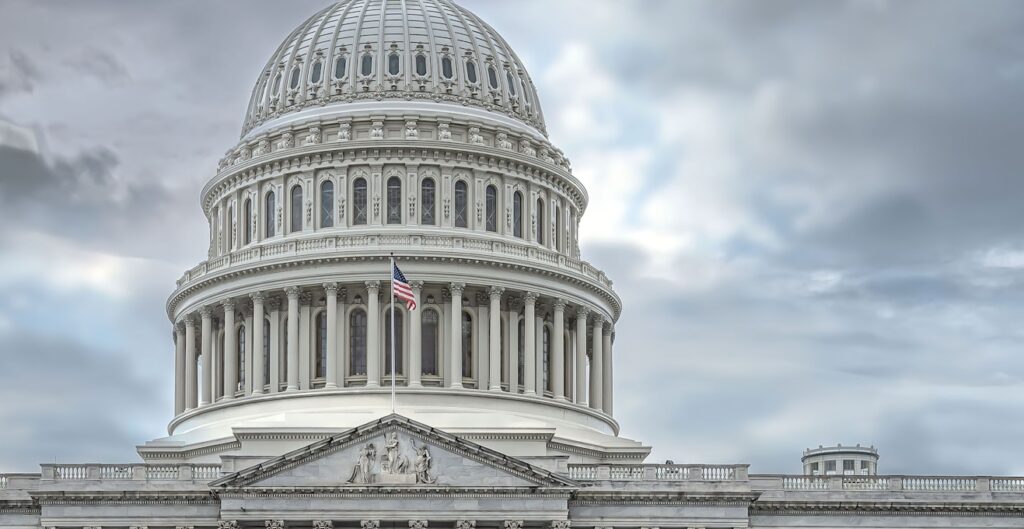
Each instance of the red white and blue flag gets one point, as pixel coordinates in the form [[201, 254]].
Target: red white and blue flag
[[400, 287]]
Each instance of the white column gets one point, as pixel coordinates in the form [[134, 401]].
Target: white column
[[529, 348], [596, 361], [246, 371], [275, 344], [373, 334], [495, 314], [293, 338], [206, 313], [230, 351], [581, 355], [416, 338], [557, 359], [456, 330], [258, 375], [606, 381], [342, 328], [482, 342], [190, 363], [306, 349], [179, 368], [513, 348], [538, 346], [331, 289]]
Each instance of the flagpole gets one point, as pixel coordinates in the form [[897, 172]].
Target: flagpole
[[393, 366]]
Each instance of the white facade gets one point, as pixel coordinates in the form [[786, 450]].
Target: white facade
[[410, 128]]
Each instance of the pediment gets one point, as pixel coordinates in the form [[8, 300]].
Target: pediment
[[393, 452]]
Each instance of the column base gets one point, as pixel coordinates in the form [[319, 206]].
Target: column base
[[373, 384], [331, 385], [291, 388], [496, 388]]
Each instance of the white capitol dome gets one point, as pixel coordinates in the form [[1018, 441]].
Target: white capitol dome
[[405, 127]]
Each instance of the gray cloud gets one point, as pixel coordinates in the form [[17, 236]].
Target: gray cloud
[[17, 73]]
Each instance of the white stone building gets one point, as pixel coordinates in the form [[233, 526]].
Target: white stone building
[[410, 127]]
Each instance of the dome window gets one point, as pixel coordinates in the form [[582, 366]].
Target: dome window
[[340, 67], [367, 66], [471, 71], [446, 68], [511, 83], [421, 65], [492, 77], [393, 64], [294, 82], [277, 84], [318, 72]]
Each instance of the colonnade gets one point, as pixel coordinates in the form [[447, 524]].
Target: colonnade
[[336, 336]]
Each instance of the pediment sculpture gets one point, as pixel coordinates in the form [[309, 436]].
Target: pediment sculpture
[[393, 465]]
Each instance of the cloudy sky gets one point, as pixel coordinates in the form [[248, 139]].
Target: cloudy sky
[[813, 211]]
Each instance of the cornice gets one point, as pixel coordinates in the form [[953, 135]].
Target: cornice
[[890, 508], [591, 497], [391, 492], [123, 497]]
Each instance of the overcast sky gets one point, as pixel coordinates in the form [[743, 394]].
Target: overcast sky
[[813, 212]]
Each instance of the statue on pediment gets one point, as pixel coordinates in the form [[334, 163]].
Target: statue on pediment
[[363, 471], [393, 462], [423, 465]]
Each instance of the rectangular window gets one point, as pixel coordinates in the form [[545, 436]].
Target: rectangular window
[[830, 467], [849, 465]]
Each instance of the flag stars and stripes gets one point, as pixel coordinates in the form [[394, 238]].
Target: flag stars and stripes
[[401, 289]]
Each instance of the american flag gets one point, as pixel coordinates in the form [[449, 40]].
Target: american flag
[[400, 287]]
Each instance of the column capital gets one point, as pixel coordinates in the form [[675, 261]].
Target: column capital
[[179, 326], [227, 524], [482, 299], [598, 319], [446, 295], [229, 305], [531, 298], [582, 313], [513, 524], [496, 292], [323, 524], [331, 289], [608, 329], [292, 293], [373, 288], [515, 303], [273, 303], [560, 524], [342, 295], [206, 312], [559, 305], [465, 524], [417, 286], [189, 320], [274, 524], [457, 289], [370, 524], [306, 299], [258, 297], [418, 524]]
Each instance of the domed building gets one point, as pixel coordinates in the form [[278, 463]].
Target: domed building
[[409, 130]]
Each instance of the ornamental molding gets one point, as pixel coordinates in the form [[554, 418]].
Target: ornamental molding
[[851, 505]]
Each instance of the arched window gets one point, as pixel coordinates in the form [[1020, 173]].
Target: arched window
[[526, 91], [277, 84], [394, 200], [327, 204], [318, 72], [321, 346], [266, 352], [241, 358], [492, 77], [540, 221], [492, 208], [430, 338], [511, 83], [517, 214], [231, 228], [340, 67], [522, 351], [398, 342], [296, 209], [471, 71], [429, 200], [246, 227], [294, 82], [269, 216], [467, 345], [357, 342], [394, 64], [367, 66], [461, 204], [447, 71], [421, 65], [359, 201]]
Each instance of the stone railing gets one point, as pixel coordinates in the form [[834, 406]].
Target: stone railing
[[336, 244], [591, 472], [131, 472], [904, 483]]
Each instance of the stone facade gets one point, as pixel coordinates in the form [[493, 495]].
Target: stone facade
[[420, 136]]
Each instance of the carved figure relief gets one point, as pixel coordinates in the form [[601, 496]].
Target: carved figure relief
[[377, 131], [393, 466], [393, 462], [474, 136], [527, 148], [443, 132], [411, 131], [287, 141], [262, 148], [423, 465], [345, 133], [313, 137], [363, 472], [503, 142]]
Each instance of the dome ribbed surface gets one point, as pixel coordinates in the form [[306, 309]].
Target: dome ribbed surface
[[394, 50]]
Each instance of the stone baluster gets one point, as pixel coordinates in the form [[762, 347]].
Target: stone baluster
[[416, 338], [331, 289], [495, 338], [456, 329], [556, 360], [230, 351], [206, 315], [596, 362], [529, 336], [293, 338], [258, 345], [581, 355], [373, 334]]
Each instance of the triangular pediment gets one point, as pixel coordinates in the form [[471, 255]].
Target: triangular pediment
[[393, 452]]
